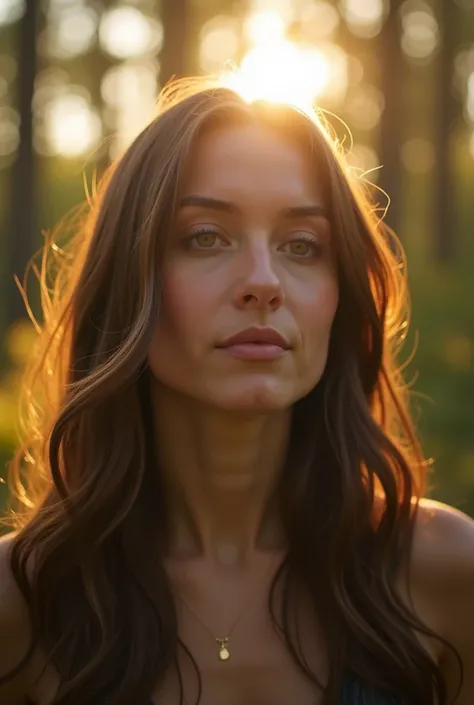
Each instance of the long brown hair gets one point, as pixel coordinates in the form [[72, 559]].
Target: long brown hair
[[86, 476]]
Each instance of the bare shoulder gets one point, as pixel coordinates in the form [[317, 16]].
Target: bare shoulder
[[14, 630], [443, 546], [442, 577]]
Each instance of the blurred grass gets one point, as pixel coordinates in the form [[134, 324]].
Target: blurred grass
[[17, 347]]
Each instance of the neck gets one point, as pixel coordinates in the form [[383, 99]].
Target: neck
[[221, 473]]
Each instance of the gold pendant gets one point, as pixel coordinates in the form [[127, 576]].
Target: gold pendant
[[224, 653]]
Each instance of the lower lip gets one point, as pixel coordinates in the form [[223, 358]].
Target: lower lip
[[255, 351]]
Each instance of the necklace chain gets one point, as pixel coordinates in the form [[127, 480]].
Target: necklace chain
[[223, 642]]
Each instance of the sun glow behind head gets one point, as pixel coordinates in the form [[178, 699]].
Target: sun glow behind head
[[277, 70], [283, 73]]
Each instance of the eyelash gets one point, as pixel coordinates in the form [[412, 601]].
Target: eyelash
[[204, 231], [305, 237], [311, 241]]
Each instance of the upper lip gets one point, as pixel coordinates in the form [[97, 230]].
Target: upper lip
[[257, 335]]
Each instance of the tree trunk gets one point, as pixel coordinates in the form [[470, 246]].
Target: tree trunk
[[177, 45], [390, 135], [447, 114], [100, 64], [22, 240]]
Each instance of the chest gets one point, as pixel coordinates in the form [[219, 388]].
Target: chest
[[260, 669]]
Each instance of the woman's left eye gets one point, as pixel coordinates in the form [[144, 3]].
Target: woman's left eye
[[304, 247]]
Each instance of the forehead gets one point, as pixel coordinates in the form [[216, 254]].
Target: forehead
[[254, 163]]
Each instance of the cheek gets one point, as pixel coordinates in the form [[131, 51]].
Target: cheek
[[315, 316], [184, 303], [188, 306], [328, 300], [317, 308], [174, 341]]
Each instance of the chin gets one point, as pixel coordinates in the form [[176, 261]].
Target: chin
[[255, 406], [256, 399]]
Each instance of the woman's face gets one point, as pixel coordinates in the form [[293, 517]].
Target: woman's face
[[251, 248]]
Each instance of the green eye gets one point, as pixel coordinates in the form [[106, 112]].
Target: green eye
[[205, 239], [301, 247], [305, 248]]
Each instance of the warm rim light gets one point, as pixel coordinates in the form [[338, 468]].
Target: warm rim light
[[281, 73]]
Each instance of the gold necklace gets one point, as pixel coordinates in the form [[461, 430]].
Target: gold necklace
[[223, 642]]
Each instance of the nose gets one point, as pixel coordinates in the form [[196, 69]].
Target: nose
[[259, 288]]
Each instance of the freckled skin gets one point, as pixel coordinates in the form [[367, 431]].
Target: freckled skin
[[226, 271]]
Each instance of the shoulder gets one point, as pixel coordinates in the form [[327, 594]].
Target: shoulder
[[441, 566], [14, 629], [442, 577], [443, 547], [443, 534]]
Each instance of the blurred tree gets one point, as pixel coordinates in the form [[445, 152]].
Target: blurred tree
[[176, 54], [101, 62], [23, 207], [447, 115], [390, 136]]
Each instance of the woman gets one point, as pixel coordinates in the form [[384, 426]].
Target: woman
[[223, 484]]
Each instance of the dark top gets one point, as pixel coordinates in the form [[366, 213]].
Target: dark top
[[356, 692]]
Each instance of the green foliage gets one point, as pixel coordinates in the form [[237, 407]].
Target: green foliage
[[17, 346], [443, 319]]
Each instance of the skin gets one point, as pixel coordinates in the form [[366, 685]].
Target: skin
[[221, 433], [219, 417]]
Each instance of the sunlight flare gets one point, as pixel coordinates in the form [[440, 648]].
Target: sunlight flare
[[281, 73]]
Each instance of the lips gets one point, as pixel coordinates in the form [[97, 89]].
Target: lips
[[257, 336], [256, 345]]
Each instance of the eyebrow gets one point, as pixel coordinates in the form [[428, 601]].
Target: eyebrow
[[228, 207]]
